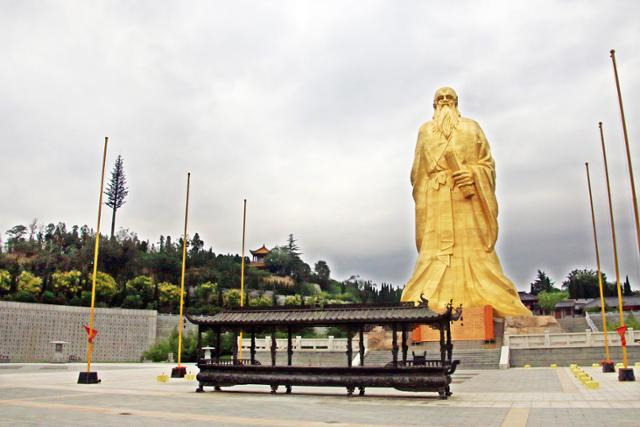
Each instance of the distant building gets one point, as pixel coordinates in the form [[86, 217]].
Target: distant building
[[530, 301], [629, 303], [259, 256]]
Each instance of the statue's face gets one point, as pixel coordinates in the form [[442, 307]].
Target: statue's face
[[445, 96]]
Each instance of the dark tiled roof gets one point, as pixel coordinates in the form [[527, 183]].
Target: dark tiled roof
[[524, 296], [343, 314], [613, 301]]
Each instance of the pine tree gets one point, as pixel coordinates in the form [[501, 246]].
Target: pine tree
[[116, 190]]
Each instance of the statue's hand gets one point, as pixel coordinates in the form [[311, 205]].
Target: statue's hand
[[462, 177]]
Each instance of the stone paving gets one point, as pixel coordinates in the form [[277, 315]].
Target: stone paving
[[37, 394]]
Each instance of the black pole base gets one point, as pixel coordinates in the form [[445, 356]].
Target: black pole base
[[88, 378], [608, 366], [626, 374], [179, 372]]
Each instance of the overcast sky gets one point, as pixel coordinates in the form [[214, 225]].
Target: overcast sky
[[310, 110]]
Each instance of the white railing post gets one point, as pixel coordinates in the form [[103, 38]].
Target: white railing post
[[330, 343], [547, 338], [588, 341]]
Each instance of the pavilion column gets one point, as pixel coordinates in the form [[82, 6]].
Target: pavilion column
[[405, 347], [449, 344], [252, 352], [218, 343], [443, 349], [394, 344], [361, 336], [234, 347], [199, 343], [273, 346], [289, 347], [349, 347]]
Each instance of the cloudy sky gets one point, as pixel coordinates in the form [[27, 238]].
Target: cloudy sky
[[310, 110]]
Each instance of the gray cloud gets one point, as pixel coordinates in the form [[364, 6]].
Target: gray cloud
[[310, 110]]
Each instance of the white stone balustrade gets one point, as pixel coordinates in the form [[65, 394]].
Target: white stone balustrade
[[579, 339]]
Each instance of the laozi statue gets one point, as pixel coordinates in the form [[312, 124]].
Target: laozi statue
[[453, 179]]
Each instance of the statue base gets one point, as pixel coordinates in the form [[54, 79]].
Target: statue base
[[88, 378], [475, 324], [626, 374], [179, 372], [608, 366]]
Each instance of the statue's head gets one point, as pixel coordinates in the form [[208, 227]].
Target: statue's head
[[445, 96], [446, 114]]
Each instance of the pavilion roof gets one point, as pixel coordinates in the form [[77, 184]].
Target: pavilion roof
[[344, 314], [260, 251]]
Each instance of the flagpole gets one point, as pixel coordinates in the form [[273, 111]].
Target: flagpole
[[244, 222], [92, 377], [180, 371], [625, 357], [626, 143], [607, 364]]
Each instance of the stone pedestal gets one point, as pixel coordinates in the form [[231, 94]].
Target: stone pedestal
[[476, 324], [88, 378], [179, 372], [626, 374]]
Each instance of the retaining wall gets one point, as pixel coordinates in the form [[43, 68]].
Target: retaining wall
[[568, 355], [26, 332]]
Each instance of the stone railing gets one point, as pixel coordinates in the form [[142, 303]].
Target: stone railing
[[303, 344], [592, 325], [580, 339]]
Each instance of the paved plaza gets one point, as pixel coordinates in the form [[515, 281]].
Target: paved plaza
[[47, 394]]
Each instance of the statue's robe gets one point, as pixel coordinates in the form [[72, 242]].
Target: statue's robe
[[455, 236]]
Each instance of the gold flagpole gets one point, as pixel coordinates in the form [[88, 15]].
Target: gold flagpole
[[626, 143], [244, 222], [87, 379], [607, 357], [615, 245], [180, 371]]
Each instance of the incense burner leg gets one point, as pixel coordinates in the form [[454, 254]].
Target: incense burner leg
[[274, 389], [361, 393]]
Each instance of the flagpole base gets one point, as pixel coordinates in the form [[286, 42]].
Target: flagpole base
[[88, 378], [626, 374], [179, 372], [608, 366]]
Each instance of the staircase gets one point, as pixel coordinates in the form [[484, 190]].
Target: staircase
[[469, 358]]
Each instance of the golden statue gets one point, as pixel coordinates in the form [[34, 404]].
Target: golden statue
[[453, 179]]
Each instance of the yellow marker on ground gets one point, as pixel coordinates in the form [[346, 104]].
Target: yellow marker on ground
[[527, 366], [190, 377], [162, 378], [592, 385], [553, 365], [573, 365], [595, 365], [619, 365]]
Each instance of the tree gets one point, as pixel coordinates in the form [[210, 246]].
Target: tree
[[116, 190], [324, 273], [5, 281], [67, 284], [542, 283], [15, 236], [168, 295], [231, 298], [584, 284], [106, 287], [548, 300], [627, 292], [141, 286], [29, 287]]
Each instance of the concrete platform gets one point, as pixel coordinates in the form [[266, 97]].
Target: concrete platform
[[41, 394]]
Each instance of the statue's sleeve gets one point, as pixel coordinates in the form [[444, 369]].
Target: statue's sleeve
[[418, 182], [486, 207]]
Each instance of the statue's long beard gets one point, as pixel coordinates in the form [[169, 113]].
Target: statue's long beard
[[446, 118]]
